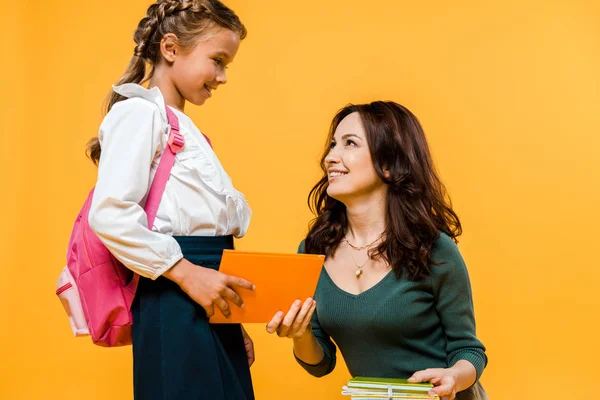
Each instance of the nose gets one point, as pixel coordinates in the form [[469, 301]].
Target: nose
[[222, 77], [332, 157]]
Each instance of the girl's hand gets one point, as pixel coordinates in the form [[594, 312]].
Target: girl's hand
[[296, 323], [208, 287], [443, 379], [249, 344]]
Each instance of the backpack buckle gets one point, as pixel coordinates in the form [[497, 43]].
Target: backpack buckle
[[176, 141]]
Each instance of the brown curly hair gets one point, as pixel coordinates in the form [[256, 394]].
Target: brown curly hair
[[417, 205]]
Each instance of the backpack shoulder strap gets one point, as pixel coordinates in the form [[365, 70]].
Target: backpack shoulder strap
[[159, 183]]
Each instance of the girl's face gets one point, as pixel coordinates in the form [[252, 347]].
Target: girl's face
[[350, 168], [198, 72]]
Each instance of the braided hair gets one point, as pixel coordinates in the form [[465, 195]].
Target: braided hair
[[189, 20]]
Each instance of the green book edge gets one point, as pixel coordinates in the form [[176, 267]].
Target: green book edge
[[386, 382]]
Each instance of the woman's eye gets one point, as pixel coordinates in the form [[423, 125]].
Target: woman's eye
[[218, 61], [350, 143], [331, 145]]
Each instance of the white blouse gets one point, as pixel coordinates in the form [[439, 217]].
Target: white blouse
[[199, 199]]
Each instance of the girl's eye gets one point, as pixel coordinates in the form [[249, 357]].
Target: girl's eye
[[218, 61], [331, 145], [350, 142]]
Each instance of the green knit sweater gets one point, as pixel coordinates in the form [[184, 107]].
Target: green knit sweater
[[399, 326]]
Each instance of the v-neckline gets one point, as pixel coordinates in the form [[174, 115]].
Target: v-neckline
[[364, 292]]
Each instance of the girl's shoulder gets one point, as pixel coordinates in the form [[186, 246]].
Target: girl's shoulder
[[133, 106], [131, 113], [138, 101], [133, 120]]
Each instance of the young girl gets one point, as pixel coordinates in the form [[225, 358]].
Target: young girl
[[176, 353], [394, 293]]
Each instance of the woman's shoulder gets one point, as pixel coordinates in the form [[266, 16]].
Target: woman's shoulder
[[446, 254], [444, 243], [301, 247]]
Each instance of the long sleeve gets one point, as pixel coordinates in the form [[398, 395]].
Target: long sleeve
[[328, 362], [454, 305], [131, 137]]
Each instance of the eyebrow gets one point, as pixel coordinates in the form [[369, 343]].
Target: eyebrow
[[347, 135], [222, 53]]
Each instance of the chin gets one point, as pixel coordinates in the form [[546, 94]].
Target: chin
[[197, 102], [337, 194]]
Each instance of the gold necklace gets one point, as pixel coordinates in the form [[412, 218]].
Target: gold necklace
[[366, 246], [359, 268]]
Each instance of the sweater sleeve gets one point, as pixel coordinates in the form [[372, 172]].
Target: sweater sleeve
[[130, 135], [327, 364], [454, 305]]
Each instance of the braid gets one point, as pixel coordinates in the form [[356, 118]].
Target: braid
[[150, 24]]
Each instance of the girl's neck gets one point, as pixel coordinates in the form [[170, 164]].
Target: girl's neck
[[170, 93]]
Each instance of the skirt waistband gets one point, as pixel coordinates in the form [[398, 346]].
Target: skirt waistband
[[205, 251], [204, 244]]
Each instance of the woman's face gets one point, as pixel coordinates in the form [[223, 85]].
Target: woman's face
[[350, 170]]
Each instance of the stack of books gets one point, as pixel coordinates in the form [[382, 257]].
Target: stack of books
[[363, 388]]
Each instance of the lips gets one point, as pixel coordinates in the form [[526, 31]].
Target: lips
[[336, 174]]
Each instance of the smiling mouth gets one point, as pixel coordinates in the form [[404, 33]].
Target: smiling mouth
[[208, 90], [336, 174]]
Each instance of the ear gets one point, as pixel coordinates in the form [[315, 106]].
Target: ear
[[386, 172], [169, 47]]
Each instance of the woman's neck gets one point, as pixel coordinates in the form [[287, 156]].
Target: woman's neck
[[366, 220]]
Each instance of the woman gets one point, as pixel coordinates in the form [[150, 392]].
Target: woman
[[394, 292]]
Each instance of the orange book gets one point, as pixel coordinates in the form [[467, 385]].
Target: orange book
[[279, 279]]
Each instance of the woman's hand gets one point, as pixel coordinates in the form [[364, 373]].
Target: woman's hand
[[296, 323], [208, 287], [443, 379], [447, 381], [249, 344]]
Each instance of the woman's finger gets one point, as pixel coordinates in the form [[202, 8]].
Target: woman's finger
[[275, 322], [300, 317], [442, 390], [308, 316], [289, 319]]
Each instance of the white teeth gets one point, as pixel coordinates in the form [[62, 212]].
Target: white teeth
[[333, 174]]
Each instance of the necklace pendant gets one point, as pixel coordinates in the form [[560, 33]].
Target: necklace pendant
[[358, 272]]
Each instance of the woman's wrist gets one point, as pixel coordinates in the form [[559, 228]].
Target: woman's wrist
[[464, 374], [305, 338], [307, 349]]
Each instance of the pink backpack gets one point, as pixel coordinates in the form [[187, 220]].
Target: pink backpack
[[95, 289]]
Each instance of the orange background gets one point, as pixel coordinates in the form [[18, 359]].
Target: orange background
[[507, 92]]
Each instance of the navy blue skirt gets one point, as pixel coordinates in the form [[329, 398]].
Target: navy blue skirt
[[177, 354]]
